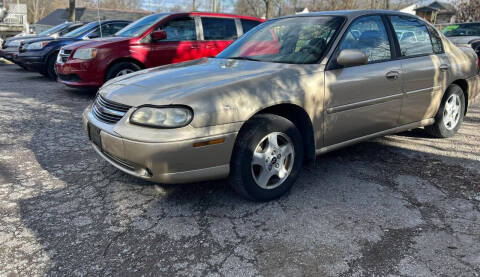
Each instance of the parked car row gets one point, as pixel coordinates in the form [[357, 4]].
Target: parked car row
[[11, 45], [87, 57], [173, 107]]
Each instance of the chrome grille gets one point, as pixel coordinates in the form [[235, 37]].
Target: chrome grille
[[63, 55], [108, 111]]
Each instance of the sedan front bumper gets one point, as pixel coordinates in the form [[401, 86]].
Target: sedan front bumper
[[8, 53], [164, 162], [79, 73]]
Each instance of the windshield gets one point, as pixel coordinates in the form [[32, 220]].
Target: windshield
[[461, 30], [296, 40], [53, 30], [140, 26], [81, 30]]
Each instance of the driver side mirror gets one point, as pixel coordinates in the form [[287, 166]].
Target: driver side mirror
[[159, 35], [352, 57]]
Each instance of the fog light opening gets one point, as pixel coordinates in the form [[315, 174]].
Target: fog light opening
[[146, 172]]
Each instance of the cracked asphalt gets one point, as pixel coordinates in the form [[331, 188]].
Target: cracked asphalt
[[403, 205]]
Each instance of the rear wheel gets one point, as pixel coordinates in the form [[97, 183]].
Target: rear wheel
[[450, 115], [267, 158], [121, 69]]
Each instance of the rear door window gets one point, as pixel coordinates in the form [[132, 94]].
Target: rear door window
[[436, 41], [219, 28], [412, 35], [248, 24]]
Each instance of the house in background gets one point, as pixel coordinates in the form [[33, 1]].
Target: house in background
[[86, 15], [437, 12]]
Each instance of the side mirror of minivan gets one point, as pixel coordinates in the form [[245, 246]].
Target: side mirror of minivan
[[159, 35], [351, 57]]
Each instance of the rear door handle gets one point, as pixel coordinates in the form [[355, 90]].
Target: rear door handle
[[194, 47], [209, 46], [392, 75], [444, 67]]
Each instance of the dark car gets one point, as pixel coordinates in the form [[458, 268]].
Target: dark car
[[41, 54], [465, 34], [10, 46]]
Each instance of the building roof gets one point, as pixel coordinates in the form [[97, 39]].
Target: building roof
[[84, 14], [437, 6]]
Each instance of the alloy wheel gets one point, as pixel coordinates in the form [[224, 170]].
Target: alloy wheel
[[451, 112], [273, 160], [124, 72]]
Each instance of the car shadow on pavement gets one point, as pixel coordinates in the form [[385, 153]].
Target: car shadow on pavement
[[93, 219]]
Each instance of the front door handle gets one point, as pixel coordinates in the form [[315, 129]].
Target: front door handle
[[209, 46], [392, 75], [194, 47], [444, 67]]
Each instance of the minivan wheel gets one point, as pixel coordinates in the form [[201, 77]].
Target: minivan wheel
[[267, 158], [121, 69], [450, 115]]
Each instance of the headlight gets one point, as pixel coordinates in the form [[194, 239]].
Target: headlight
[[36, 45], [85, 54], [167, 117]]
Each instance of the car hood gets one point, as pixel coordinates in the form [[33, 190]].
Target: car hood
[[35, 39], [167, 84], [464, 39], [97, 42], [21, 38]]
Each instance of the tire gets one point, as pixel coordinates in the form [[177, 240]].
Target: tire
[[50, 71], [116, 69], [246, 175], [449, 118]]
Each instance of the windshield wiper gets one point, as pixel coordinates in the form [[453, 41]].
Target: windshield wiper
[[244, 58]]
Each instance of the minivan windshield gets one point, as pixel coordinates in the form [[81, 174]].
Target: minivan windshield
[[462, 30], [53, 30], [295, 40], [140, 26], [81, 30]]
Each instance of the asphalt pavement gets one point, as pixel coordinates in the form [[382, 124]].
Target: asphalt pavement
[[402, 205]]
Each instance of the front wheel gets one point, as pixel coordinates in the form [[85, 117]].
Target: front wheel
[[51, 71], [121, 69], [267, 158], [450, 115]]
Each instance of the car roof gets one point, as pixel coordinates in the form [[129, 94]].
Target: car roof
[[218, 15], [113, 21], [349, 13]]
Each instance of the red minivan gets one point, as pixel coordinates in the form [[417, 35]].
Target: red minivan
[[151, 41]]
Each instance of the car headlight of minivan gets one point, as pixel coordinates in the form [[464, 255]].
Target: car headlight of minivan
[[162, 117], [85, 54], [36, 45]]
